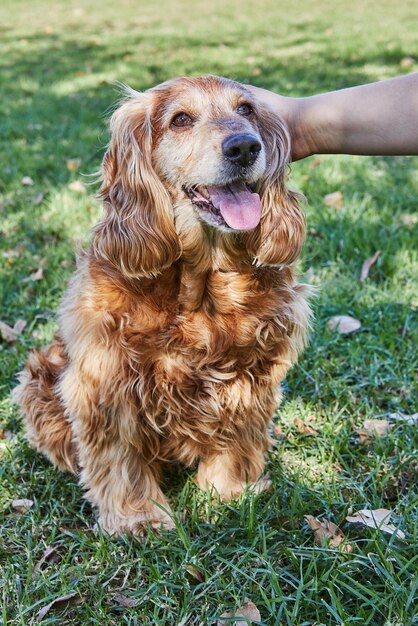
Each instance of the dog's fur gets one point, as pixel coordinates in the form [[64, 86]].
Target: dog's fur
[[174, 334]]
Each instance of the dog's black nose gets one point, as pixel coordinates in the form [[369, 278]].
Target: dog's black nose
[[241, 148]]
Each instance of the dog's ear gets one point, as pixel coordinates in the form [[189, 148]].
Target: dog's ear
[[137, 233], [280, 235]]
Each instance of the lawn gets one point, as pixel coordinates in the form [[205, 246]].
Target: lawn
[[59, 64]]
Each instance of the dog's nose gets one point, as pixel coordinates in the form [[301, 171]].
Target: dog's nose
[[241, 148]]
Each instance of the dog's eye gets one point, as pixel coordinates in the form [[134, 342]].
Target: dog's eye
[[181, 120], [245, 110]]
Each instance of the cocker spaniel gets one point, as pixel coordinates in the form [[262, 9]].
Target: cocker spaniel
[[184, 314]]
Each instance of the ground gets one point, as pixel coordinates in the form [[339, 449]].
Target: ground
[[59, 63]]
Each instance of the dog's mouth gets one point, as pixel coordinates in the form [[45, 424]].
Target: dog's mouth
[[236, 205]]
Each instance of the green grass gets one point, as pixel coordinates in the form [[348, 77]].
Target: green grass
[[59, 61]]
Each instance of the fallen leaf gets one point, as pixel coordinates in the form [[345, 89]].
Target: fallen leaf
[[379, 428], [8, 333], [327, 534], [344, 324], [248, 611], [19, 326], [49, 556], [195, 572], [403, 417], [303, 428], [125, 601], [314, 163], [334, 199], [63, 602], [22, 504], [378, 518], [38, 275], [278, 431], [407, 62], [77, 186], [26, 181], [409, 219], [73, 164], [365, 269], [38, 199]]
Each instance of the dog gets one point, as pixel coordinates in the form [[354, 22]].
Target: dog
[[184, 314]]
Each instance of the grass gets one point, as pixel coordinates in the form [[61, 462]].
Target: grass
[[59, 61]]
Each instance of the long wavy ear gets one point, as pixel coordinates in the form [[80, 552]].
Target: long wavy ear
[[281, 233], [136, 234]]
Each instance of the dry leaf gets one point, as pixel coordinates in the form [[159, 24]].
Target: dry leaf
[[49, 556], [367, 265], [26, 181], [125, 601], [334, 199], [379, 428], [38, 275], [19, 326], [304, 428], [409, 219], [248, 611], [71, 599], [73, 164], [22, 504], [77, 186], [403, 417], [38, 199], [8, 333], [195, 572], [344, 324], [379, 518], [327, 534], [407, 62], [278, 431]]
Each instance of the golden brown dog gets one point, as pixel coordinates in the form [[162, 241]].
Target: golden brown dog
[[184, 314]]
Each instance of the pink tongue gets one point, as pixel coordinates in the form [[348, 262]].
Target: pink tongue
[[240, 208]]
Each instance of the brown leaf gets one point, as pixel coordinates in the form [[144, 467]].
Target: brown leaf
[[38, 275], [195, 572], [367, 265], [278, 431], [63, 602], [407, 62], [344, 324], [334, 199], [22, 504], [303, 428], [125, 601], [327, 534], [379, 428], [49, 556], [26, 181], [73, 164], [248, 611], [8, 333], [378, 518], [77, 186]]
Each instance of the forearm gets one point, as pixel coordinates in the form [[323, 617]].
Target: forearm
[[379, 118], [376, 119]]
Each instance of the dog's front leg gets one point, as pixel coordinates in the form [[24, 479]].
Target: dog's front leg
[[119, 479]]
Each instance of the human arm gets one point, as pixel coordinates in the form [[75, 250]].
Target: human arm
[[375, 119]]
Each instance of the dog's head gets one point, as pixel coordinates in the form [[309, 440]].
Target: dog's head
[[194, 155]]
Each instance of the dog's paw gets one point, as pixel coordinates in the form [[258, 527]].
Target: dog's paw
[[136, 523]]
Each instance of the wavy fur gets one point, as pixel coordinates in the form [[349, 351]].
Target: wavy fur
[[173, 335]]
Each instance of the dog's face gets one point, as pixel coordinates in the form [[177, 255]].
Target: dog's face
[[209, 146], [191, 157]]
